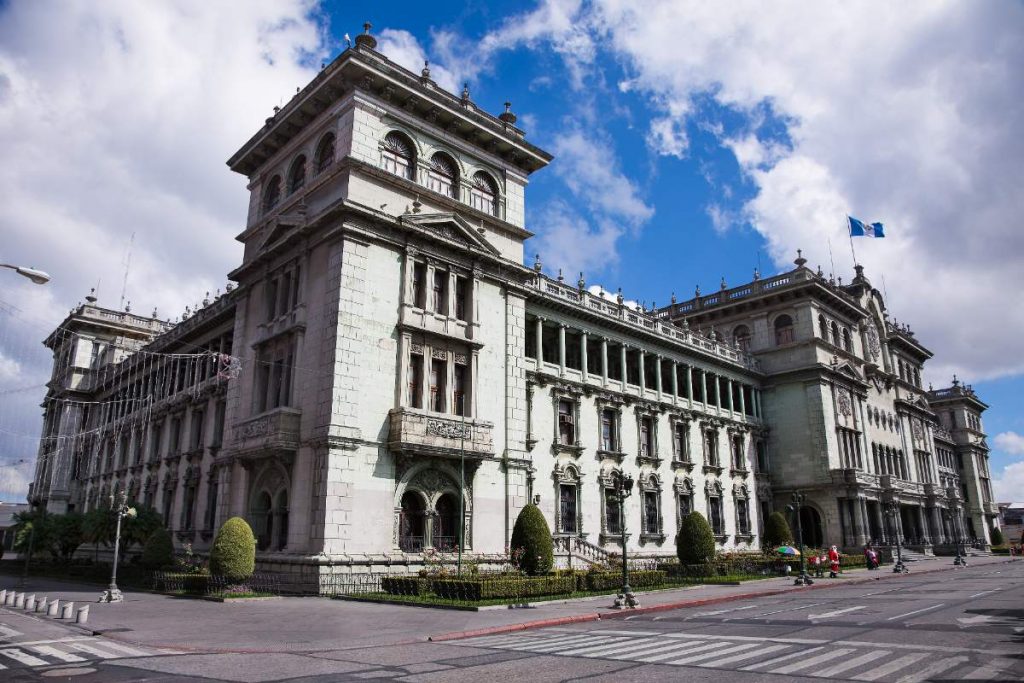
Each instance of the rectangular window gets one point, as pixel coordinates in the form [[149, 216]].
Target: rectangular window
[[462, 298], [566, 423], [438, 375], [651, 512], [416, 380], [175, 435], [168, 505], [762, 456], [742, 517], [739, 462], [613, 521], [608, 437], [459, 395], [711, 447], [211, 505], [679, 442], [439, 293], [154, 441], [646, 438], [271, 299], [197, 429], [567, 508], [685, 505], [218, 423], [715, 509]]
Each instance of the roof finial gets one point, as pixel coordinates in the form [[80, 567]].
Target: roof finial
[[800, 260], [696, 291], [560, 278], [619, 297], [425, 73], [507, 116], [673, 298], [956, 382], [365, 38], [92, 295], [536, 263], [724, 286], [757, 274], [465, 93], [581, 283]]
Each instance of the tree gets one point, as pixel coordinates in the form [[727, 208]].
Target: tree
[[32, 529], [98, 526], [695, 543], [532, 534], [233, 554], [159, 550], [65, 536], [997, 537], [139, 529], [776, 531]]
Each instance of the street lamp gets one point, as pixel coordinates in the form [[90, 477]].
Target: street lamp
[[622, 488], [36, 276], [958, 532], [121, 509], [798, 500], [893, 510]]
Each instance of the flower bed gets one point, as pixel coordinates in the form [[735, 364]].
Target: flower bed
[[506, 587]]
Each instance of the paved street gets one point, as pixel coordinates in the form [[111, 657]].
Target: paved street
[[965, 624]]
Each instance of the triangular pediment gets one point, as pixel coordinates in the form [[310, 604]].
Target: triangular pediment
[[450, 227], [280, 227], [846, 369]]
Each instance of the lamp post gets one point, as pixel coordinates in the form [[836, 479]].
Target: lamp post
[[36, 276], [623, 488], [462, 480], [798, 500], [121, 509], [961, 559], [893, 510]]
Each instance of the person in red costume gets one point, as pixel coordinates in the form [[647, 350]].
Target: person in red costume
[[833, 561]]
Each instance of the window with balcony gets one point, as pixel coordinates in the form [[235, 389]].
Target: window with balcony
[[415, 398], [568, 499], [612, 516], [651, 515], [460, 379], [274, 364]]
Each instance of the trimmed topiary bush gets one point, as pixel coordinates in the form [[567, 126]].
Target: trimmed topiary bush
[[695, 543], [532, 534], [997, 537], [158, 551], [233, 554], [776, 531]]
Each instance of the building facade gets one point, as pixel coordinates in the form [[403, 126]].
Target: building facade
[[385, 372]]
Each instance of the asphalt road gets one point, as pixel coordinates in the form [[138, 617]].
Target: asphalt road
[[966, 624]]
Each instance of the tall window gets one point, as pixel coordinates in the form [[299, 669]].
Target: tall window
[[461, 379], [438, 374], [272, 194], [483, 194], [847, 340], [762, 456], [439, 292], [715, 514], [462, 298], [297, 174], [612, 518], [823, 327], [609, 438], [739, 460], [567, 508], [197, 429], [650, 518], [155, 437], [566, 423], [684, 501], [742, 516], [396, 155], [324, 154], [646, 437], [416, 380], [442, 176], [680, 441], [419, 284], [783, 330], [835, 333], [711, 447], [741, 337]]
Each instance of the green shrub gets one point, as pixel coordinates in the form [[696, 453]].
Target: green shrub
[[233, 554], [159, 550], [776, 532], [514, 587], [532, 534], [997, 537], [404, 585], [695, 542], [172, 582], [639, 579]]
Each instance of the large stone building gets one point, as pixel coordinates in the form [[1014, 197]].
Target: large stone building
[[384, 363]]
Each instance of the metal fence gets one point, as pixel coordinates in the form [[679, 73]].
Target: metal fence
[[349, 584], [263, 583]]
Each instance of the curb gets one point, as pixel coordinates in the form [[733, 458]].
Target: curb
[[598, 616]]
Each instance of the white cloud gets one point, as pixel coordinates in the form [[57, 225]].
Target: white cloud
[[402, 48], [566, 240], [1009, 442], [1009, 485]]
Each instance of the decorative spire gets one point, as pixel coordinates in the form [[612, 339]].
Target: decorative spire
[[128, 307], [618, 296], [425, 73], [581, 283], [821, 273], [507, 116], [92, 295], [560, 278], [465, 94], [724, 286], [800, 260], [696, 291], [956, 382], [365, 39], [673, 298], [536, 263], [206, 300], [757, 274], [154, 313]]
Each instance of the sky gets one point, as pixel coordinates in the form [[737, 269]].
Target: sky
[[693, 142]]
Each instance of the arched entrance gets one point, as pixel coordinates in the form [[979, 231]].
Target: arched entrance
[[411, 522], [810, 521], [446, 524], [281, 511], [263, 520]]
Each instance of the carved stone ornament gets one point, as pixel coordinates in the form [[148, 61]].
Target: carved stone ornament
[[416, 348], [874, 346], [915, 427], [845, 407], [449, 430], [440, 354], [254, 428]]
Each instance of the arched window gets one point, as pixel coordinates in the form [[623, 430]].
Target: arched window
[[397, 156], [783, 330], [823, 326], [741, 337], [484, 193], [282, 517], [442, 176], [847, 341], [446, 523], [411, 522], [324, 154], [297, 174], [263, 520], [835, 333], [272, 194]]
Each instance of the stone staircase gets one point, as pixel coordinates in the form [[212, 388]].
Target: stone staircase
[[572, 552]]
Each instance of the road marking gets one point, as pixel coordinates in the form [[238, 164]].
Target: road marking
[[853, 663], [696, 658], [976, 595], [51, 651], [900, 616], [131, 652], [595, 647], [836, 613], [629, 646], [589, 641], [932, 669], [745, 655], [701, 648], [724, 611], [521, 642], [779, 660], [890, 667], [807, 663], [788, 609], [652, 649], [8, 632], [23, 657], [102, 654]]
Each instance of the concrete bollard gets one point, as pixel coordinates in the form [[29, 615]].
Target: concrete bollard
[[19, 601], [67, 611], [9, 598], [30, 603], [83, 615], [51, 611], [41, 605], [3, 596]]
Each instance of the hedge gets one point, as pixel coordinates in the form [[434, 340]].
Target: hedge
[[506, 587], [173, 582], [158, 551], [531, 537], [777, 531], [695, 541], [637, 579], [405, 585], [233, 554], [997, 537]]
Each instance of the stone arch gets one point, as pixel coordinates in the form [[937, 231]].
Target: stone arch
[[811, 526], [434, 486], [268, 520]]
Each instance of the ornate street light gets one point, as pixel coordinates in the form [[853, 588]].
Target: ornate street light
[[36, 276], [622, 487], [798, 500], [892, 508], [121, 509]]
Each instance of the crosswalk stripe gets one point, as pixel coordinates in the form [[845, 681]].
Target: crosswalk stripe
[[684, 649], [8, 632], [520, 642], [102, 654], [130, 651], [23, 657], [982, 673], [589, 639], [618, 648], [740, 657], [890, 667], [932, 669], [852, 663], [779, 660], [705, 655], [808, 663], [51, 651], [597, 647], [650, 649]]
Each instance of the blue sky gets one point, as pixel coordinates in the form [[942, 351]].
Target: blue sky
[[693, 143]]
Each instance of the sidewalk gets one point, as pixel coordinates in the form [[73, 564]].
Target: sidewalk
[[313, 624]]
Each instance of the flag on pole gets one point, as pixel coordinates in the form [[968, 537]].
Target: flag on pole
[[862, 229]]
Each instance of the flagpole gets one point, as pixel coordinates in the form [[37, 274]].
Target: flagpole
[[830, 259], [850, 233]]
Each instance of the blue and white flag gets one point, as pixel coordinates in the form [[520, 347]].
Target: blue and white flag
[[862, 229]]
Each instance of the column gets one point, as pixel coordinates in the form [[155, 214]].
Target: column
[[622, 355], [675, 382], [561, 349], [583, 354], [760, 406], [925, 533], [689, 385], [657, 376], [859, 527], [864, 518], [704, 386], [940, 531], [732, 408], [604, 361], [425, 377], [540, 343], [743, 403], [880, 522], [643, 377]]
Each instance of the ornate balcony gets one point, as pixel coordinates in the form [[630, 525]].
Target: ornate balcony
[[415, 432], [272, 431]]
